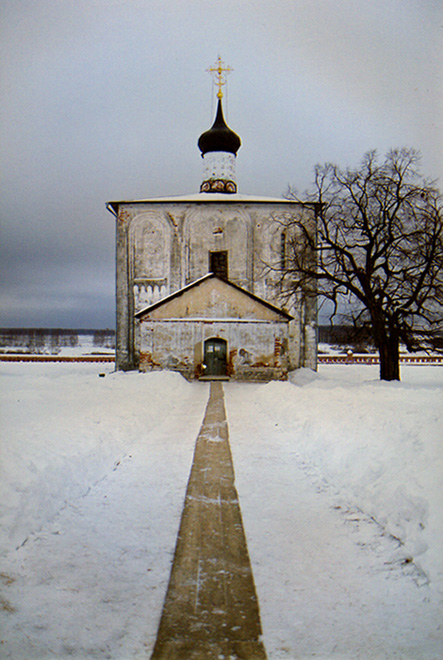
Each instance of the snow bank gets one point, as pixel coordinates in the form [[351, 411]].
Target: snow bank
[[64, 429], [329, 468], [379, 444]]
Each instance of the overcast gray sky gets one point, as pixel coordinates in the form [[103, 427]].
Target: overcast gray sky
[[105, 100]]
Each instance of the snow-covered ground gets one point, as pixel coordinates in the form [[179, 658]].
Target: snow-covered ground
[[339, 480], [343, 511]]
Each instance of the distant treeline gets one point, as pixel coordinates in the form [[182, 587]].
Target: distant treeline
[[42, 340], [360, 339], [344, 335], [39, 340]]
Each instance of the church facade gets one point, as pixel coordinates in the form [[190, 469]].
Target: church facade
[[199, 278]]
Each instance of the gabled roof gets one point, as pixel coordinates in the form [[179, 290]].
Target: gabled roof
[[199, 282]]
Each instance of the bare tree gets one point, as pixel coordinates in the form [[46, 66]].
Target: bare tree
[[378, 252]]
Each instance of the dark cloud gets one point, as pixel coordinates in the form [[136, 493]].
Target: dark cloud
[[105, 100]]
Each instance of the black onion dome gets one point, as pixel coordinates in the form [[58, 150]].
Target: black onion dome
[[219, 137]]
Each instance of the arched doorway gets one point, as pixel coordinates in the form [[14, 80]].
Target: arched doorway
[[216, 357]]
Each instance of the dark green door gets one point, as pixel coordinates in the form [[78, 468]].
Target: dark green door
[[215, 357]]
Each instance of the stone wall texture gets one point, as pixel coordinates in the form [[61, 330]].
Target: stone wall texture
[[163, 246]]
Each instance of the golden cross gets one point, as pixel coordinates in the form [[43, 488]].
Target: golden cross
[[219, 69]]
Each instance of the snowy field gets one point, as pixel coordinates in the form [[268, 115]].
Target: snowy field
[[339, 478]]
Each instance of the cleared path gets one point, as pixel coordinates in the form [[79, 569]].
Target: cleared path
[[211, 609]]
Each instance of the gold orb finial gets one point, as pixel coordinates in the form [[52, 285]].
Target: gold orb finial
[[219, 71]]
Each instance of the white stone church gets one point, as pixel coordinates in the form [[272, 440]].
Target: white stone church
[[199, 277]]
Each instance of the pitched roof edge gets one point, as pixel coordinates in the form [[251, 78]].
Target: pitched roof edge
[[173, 295], [209, 276], [209, 198]]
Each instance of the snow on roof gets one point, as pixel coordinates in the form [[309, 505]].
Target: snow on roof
[[210, 197]]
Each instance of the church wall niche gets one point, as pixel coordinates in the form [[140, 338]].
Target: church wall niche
[[210, 230], [265, 239], [272, 236], [150, 245]]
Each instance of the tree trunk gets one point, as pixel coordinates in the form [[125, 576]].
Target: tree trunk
[[388, 345], [389, 351]]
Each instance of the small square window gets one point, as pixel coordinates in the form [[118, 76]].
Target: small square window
[[218, 264]]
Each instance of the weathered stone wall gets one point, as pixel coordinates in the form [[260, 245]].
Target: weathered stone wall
[[213, 229], [214, 298], [163, 246], [256, 350]]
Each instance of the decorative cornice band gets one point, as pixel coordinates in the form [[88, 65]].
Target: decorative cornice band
[[218, 186]]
